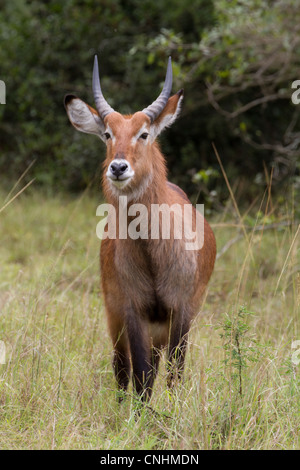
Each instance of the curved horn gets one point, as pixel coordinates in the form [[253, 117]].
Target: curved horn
[[158, 105], [102, 105]]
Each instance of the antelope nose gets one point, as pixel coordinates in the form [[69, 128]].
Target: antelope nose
[[118, 168]]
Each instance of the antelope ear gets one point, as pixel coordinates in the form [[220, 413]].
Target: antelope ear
[[83, 117], [168, 115]]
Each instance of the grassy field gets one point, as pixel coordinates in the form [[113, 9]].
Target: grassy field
[[57, 390]]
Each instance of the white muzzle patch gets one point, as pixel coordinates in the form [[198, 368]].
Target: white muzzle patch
[[119, 173]]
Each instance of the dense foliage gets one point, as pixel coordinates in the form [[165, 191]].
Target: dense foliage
[[235, 59]]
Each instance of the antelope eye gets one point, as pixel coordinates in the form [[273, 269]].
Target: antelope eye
[[107, 135], [144, 135]]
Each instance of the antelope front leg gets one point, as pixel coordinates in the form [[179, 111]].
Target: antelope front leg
[[179, 329], [121, 354], [138, 336], [121, 365]]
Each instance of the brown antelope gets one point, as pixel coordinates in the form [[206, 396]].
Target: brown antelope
[[152, 286]]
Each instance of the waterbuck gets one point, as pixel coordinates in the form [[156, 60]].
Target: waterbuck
[[152, 285]]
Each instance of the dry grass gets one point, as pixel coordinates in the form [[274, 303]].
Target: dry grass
[[57, 389]]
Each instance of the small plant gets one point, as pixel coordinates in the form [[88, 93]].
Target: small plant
[[239, 345]]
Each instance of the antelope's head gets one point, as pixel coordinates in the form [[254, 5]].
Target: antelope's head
[[131, 156]]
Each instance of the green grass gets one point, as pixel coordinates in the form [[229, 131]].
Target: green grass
[[57, 389]]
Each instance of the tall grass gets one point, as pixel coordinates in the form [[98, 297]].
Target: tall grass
[[57, 390]]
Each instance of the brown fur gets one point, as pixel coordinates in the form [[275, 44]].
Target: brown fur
[[152, 288]]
